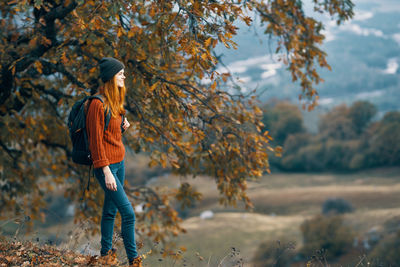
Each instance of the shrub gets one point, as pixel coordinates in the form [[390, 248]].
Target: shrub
[[357, 161], [384, 145], [387, 251], [326, 233], [311, 156], [336, 206], [338, 153], [307, 158], [392, 225], [274, 253], [291, 160]]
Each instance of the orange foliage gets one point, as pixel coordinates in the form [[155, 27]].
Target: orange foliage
[[175, 101]]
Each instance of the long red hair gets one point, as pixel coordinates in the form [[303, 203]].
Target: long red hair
[[114, 97]]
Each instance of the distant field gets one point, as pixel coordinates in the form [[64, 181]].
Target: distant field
[[213, 238], [282, 203], [287, 194]]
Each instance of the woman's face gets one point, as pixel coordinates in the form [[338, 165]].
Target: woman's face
[[120, 77]]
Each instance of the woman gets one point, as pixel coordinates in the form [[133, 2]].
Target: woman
[[107, 152]]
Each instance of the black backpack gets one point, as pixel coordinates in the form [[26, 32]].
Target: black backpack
[[77, 130], [78, 134]]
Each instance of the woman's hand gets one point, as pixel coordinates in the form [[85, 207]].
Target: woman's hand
[[109, 179], [126, 124]]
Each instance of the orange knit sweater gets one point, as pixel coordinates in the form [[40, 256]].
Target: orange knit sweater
[[105, 147]]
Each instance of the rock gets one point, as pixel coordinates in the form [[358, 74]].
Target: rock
[[207, 214]]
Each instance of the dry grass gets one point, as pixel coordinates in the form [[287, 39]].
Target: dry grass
[[215, 238], [288, 194], [293, 198], [290, 197], [308, 200]]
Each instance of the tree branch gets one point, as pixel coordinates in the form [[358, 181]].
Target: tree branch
[[13, 153], [60, 68], [60, 12]]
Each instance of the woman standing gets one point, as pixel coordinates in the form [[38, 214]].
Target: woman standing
[[108, 152]]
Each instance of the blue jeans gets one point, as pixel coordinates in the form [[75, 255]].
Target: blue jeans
[[113, 201]]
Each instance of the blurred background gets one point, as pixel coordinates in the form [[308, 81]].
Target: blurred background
[[334, 194]]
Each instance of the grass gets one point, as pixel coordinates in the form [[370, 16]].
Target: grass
[[244, 231], [288, 194], [282, 203]]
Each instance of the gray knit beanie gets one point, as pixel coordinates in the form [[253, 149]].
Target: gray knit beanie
[[109, 67]]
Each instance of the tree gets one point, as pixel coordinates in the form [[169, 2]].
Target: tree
[[337, 124], [383, 141], [361, 113], [283, 119], [292, 159], [50, 52]]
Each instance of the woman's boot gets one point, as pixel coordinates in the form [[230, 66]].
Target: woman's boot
[[110, 257], [136, 262]]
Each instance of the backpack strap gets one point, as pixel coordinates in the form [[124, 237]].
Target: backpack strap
[[122, 123], [88, 183], [107, 115], [107, 118]]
